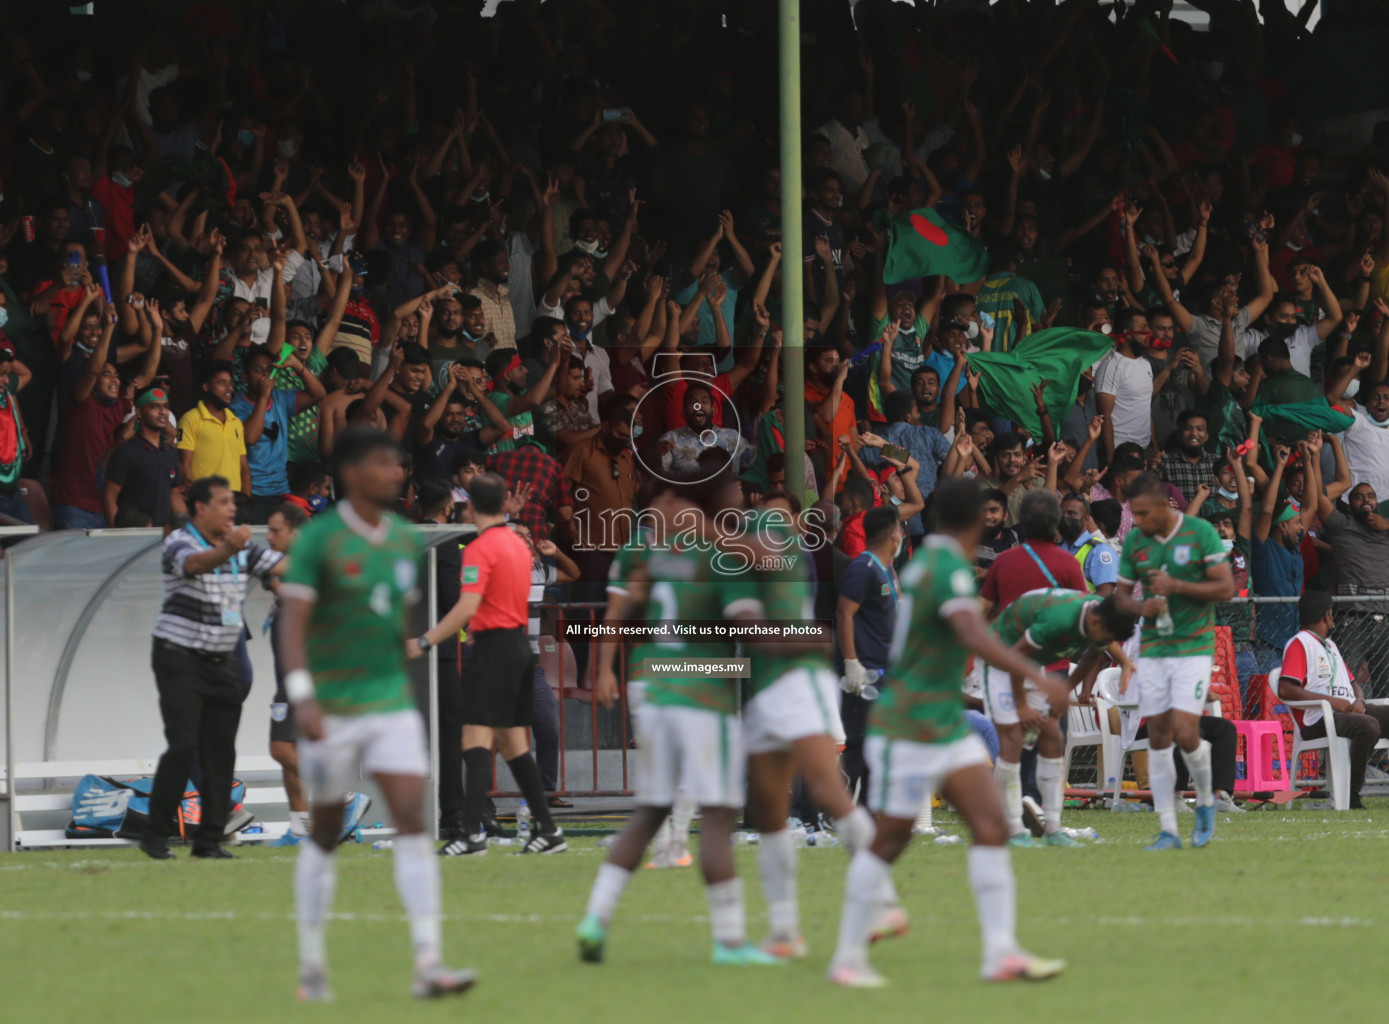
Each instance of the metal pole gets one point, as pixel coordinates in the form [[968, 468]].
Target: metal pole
[[11, 819], [433, 657], [792, 282]]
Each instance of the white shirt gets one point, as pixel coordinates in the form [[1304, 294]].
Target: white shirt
[[597, 360], [1130, 381], [1326, 671], [846, 154], [1367, 451], [261, 288], [1300, 345]]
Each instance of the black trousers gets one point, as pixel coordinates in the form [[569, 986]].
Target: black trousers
[[200, 701], [1224, 740], [450, 736], [853, 712], [1363, 731]]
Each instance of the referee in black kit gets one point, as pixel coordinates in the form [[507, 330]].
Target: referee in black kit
[[207, 569], [495, 604]]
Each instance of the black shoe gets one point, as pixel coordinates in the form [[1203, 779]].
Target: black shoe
[[465, 846], [212, 853], [493, 828], [156, 849], [451, 832], [547, 842], [1356, 804]]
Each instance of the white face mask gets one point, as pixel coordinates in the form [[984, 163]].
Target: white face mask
[[84, 76], [1353, 388], [1044, 174], [1228, 543], [287, 147], [120, 179], [972, 330], [1295, 139], [1378, 423], [1227, 495]]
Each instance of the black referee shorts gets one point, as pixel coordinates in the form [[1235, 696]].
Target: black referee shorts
[[500, 678]]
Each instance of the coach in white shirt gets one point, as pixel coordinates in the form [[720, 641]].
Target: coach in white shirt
[[1124, 396]]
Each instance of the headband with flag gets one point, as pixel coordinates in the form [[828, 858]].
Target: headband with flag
[[1289, 512], [150, 397], [515, 362]]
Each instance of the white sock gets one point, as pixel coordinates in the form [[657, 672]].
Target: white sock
[[417, 881], [1198, 763], [1008, 775], [1162, 779], [856, 829], [315, 878], [924, 819], [1051, 781], [991, 878], [776, 861], [726, 912], [607, 890], [679, 819], [299, 823], [868, 881]]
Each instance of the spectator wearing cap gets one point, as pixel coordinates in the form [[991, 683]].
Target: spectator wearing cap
[[267, 418], [142, 472], [100, 406], [1082, 537], [14, 441], [212, 438], [492, 288]]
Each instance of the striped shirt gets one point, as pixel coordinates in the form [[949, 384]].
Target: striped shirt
[[203, 612]]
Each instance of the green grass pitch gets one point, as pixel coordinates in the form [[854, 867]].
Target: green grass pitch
[[1281, 919]]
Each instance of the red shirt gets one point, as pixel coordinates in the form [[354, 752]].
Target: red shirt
[[119, 202], [852, 540], [1015, 572], [91, 427], [498, 566], [673, 399]]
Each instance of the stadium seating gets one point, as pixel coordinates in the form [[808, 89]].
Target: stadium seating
[[1334, 749], [1112, 749]]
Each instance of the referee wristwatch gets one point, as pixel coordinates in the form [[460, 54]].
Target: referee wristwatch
[[423, 641]]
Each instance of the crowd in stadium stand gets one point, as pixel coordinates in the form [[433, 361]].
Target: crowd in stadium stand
[[548, 242]]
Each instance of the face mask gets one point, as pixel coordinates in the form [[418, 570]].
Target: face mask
[[971, 330], [214, 402], [1227, 495], [120, 179], [1045, 175], [1070, 529], [1295, 139], [1149, 239], [901, 539], [579, 335], [287, 147], [1352, 389], [1228, 543], [1378, 423], [4, 316], [587, 247], [245, 138], [471, 336], [480, 198], [84, 76], [636, 433], [318, 503]]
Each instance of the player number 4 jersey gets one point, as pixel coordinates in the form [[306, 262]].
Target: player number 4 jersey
[[362, 588], [1185, 553], [921, 700]]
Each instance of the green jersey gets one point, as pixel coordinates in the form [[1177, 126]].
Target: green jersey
[[682, 588], [1192, 546], [362, 583], [920, 699], [522, 424], [1052, 621], [778, 590]]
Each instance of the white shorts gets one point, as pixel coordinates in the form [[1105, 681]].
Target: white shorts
[[803, 702], [691, 751], [1166, 684], [905, 774], [392, 743], [998, 696]]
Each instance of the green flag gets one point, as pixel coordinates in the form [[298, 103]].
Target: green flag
[[922, 244], [1290, 421], [1058, 355]]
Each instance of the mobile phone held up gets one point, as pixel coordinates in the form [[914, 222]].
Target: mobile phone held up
[[896, 452], [618, 115]]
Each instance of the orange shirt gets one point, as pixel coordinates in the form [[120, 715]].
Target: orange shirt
[[845, 422]]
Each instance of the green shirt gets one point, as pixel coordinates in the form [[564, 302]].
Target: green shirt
[[303, 426], [521, 426], [1193, 545], [920, 699], [362, 587], [1053, 621], [683, 587], [909, 352], [1287, 386], [778, 592], [996, 298]]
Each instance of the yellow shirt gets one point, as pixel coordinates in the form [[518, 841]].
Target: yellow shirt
[[217, 445]]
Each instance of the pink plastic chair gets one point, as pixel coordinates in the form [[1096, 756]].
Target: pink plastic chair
[[1259, 739]]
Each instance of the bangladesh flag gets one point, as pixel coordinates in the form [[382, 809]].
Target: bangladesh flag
[[1058, 355], [922, 244]]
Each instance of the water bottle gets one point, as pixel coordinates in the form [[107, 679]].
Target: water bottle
[[523, 822], [870, 691], [382, 844], [1164, 624]]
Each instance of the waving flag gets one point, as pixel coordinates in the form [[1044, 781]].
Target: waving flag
[[922, 244], [1058, 355]]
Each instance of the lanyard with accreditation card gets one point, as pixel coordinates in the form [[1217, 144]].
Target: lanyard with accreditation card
[[231, 605]]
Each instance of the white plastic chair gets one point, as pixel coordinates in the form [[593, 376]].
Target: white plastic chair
[[1337, 748], [1112, 749], [1082, 730]]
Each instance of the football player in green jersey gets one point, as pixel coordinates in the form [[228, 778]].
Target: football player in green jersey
[[1047, 626], [689, 739], [1184, 571], [343, 621], [919, 742]]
